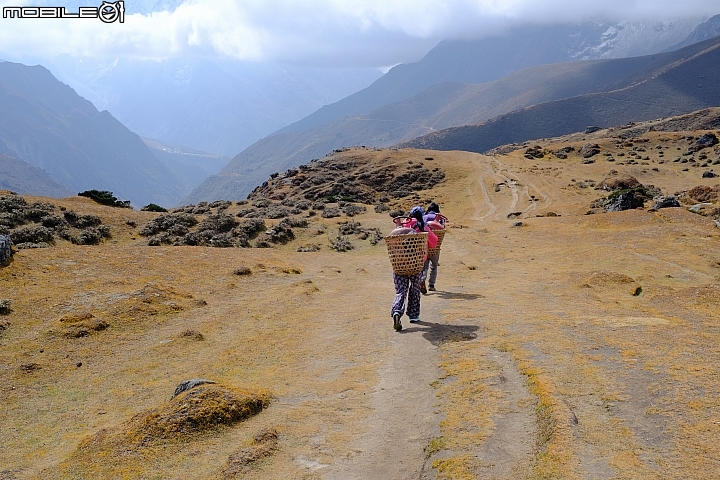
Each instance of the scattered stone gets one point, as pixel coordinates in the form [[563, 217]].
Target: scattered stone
[[709, 174], [6, 251], [189, 385], [705, 141], [309, 248], [242, 271], [30, 367], [563, 152], [517, 224], [5, 306], [624, 201], [193, 335], [592, 129], [513, 215], [589, 150], [669, 201], [534, 152], [699, 208]]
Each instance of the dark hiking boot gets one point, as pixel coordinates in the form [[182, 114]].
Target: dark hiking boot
[[396, 321], [432, 288], [423, 290]]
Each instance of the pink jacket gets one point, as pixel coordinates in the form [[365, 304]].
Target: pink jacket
[[432, 238]]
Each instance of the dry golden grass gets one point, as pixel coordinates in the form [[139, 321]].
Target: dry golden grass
[[623, 382]]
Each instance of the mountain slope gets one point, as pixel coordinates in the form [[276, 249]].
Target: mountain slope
[[24, 178], [45, 123], [442, 106], [490, 58], [704, 31], [672, 88], [210, 105], [427, 96]]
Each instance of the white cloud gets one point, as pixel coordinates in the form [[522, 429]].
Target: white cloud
[[359, 32]]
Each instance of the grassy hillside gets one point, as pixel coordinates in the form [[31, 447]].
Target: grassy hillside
[[557, 345]]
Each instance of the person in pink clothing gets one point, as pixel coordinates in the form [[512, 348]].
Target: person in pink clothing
[[409, 285], [431, 263]]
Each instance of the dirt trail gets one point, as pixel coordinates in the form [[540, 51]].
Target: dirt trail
[[403, 418], [405, 407]]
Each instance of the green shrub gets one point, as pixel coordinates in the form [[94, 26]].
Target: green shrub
[[105, 198], [153, 208]]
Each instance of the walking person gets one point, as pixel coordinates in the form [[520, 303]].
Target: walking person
[[431, 264], [408, 286]]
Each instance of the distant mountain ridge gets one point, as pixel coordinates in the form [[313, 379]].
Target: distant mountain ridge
[[217, 106], [45, 123], [488, 59], [677, 83], [704, 31], [415, 99]]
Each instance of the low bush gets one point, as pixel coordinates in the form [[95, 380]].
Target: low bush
[[261, 203], [296, 222], [164, 222], [32, 234], [331, 212], [349, 228], [153, 208], [92, 235], [352, 209], [220, 204], [219, 223], [341, 244], [81, 221], [222, 240], [104, 197]]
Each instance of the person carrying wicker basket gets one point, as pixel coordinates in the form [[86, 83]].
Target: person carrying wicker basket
[[432, 215], [408, 286]]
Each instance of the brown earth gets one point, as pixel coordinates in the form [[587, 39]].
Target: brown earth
[[568, 346]]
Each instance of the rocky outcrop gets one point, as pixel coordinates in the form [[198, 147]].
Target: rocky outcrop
[[589, 150], [5, 249], [705, 141], [665, 202]]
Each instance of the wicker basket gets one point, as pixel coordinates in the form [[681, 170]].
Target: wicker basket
[[407, 253], [436, 249]]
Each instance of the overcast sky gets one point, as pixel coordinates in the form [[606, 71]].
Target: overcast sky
[[370, 33]]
